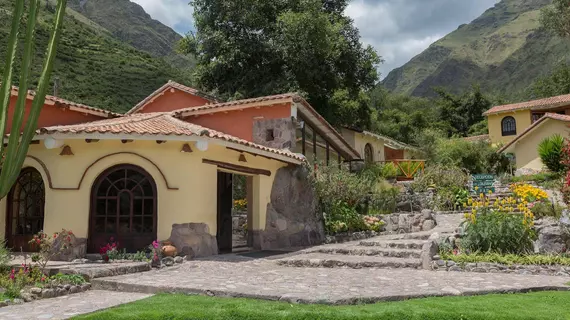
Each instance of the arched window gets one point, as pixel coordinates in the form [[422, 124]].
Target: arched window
[[368, 153], [123, 207], [25, 209], [509, 126]]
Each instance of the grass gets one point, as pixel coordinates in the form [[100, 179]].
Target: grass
[[508, 259], [540, 305]]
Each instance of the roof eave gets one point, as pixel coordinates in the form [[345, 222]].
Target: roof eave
[[154, 137]]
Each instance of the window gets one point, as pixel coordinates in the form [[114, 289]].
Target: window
[[368, 153], [536, 117], [269, 135], [509, 126]]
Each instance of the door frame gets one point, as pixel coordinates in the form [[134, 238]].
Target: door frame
[[8, 236], [93, 201]]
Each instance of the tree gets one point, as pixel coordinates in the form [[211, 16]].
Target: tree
[[464, 113], [555, 84], [556, 18], [254, 47], [18, 143]]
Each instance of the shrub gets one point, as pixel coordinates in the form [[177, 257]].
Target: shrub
[[507, 259], [5, 257], [441, 177], [475, 157], [550, 151], [47, 249], [528, 192], [547, 209], [343, 218], [494, 227]]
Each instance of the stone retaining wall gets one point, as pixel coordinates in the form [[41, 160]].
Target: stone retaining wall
[[487, 267], [351, 236], [409, 222], [35, 293]]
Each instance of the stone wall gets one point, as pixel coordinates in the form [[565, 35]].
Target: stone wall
[[292, 219], [485, 267], [409, 222], [274, 133]]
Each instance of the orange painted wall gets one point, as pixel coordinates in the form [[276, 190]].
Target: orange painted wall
[[240, 123], [51, 115], [393, 154], [171, 101]]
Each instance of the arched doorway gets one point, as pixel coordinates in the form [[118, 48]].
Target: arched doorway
[[25, 211], [368, 153], [123, 207]]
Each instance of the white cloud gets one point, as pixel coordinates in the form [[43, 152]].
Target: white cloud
[[397, 29], [176, 14]]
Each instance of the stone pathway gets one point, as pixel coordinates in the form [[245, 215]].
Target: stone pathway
[[68, 306], [264, 279]]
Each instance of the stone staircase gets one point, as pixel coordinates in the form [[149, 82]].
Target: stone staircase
[[388, 251]]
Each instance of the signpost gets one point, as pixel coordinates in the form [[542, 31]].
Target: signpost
[[483, 183]]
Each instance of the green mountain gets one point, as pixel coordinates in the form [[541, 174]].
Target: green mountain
[[129, 23], [503, 51], [93, 65]]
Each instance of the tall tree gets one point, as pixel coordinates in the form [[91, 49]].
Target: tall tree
[[255, 47], [556, 17], [14, 154]]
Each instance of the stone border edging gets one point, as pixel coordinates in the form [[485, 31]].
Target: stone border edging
[[149, 289], [490, 267], [35, 293]]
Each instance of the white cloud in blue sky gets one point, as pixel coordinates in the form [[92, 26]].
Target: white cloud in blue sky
[[398, 29]]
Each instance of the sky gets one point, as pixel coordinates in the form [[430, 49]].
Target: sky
[[397, 29]]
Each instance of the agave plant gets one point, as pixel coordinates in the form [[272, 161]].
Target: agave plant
[[550, 151], [14, 153]]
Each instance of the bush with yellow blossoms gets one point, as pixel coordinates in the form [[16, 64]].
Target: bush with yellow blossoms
[[498, 225], [527, 192]]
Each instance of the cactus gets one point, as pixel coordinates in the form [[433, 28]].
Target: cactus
[[18, 142]]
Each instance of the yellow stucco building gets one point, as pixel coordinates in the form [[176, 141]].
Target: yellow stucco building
[[519, 128], [164, 170]]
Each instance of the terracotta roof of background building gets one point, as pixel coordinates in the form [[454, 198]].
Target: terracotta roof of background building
[[551, 102], [243, 102], [174, 85], [70, 104], [157, 124], [547, 116]]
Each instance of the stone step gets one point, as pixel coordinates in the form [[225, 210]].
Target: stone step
[[322, 260], [369, 251], [396, 244]]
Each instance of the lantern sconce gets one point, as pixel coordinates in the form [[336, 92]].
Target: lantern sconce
[[186, 148], [242, 158], [202, 145], [66, 151]]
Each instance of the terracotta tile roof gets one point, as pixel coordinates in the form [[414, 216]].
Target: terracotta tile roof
[[157, 124], [553, 116], [72, 105], [189, 111], [168, 85], [545, 103]]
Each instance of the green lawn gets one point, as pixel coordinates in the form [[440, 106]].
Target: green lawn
[[541, 305]]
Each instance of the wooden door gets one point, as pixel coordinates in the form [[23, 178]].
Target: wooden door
[[225, 204]]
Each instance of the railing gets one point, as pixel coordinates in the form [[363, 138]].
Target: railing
[[407, 168]]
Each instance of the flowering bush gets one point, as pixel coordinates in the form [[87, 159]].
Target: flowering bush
[[373, 223], [498, 227], [21, 277], [47, 248], [240, 204], [528, 192], [156, 251]]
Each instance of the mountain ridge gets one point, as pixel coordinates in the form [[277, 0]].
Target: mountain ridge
[[503, 50]]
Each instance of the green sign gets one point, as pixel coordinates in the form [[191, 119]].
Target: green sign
[[483, 183]]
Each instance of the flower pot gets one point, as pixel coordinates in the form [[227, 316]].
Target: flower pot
[[169, 250]]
